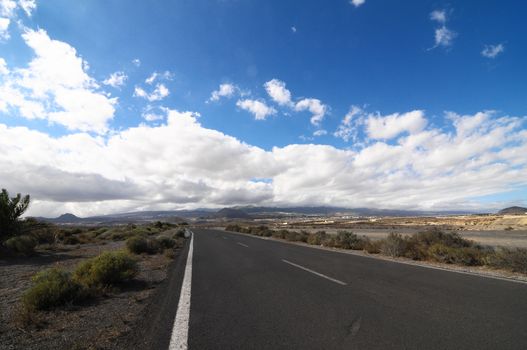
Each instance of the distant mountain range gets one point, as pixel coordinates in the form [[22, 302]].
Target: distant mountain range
[[513, 211], [242, 212]]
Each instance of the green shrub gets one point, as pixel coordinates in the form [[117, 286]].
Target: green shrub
[[329, 241], [44, 235], [372, 247], [137, 244], [293, 236], [99, 231], [348, 240], [514, 259], [166, 242], [142, 244], [282, 234], [394, 245], [118, 235], [51, 288], [233, 228], [452, 255], [415, 250], [109, 268], [24, 245], [316, 238], [181, 233], [433, 236], [71, 240]]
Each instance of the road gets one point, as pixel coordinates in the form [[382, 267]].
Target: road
[[251, 293]]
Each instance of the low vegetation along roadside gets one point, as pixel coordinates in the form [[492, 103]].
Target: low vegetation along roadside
[[74, 286], [432, 245], [56, 286]]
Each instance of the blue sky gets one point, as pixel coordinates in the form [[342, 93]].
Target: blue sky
[[458, 67]]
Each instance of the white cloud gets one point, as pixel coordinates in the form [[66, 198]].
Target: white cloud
[[166, 75], [45, 88], [152, 113], [320, 132], [28, 6], [388, 127], [8, 12], [136, 62], [258, 108], [348, 128], [82, 110], [438, 16], [444, 37], [159, 93], [151, 78], [293, 29], [150, 117], [278, 92], [314, 106], [4, 28], [3, 67], [145, 167], [225, 90], [116, 79], [491, 51], [357, 3], [7, 8]]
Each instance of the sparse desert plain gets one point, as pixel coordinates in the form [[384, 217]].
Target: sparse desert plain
[[493, 230]]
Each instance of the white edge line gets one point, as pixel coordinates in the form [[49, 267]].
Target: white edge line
[[179, 337], [386, 259], [315, 273], [243, 245]]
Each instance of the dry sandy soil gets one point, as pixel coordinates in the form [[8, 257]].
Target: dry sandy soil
[[94, 325]]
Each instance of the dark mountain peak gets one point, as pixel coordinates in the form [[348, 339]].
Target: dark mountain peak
[[68, 216], [231, 213], [513, 211]]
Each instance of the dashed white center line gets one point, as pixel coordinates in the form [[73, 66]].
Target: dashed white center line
[[243, 245], [179, 338], [315, 273]]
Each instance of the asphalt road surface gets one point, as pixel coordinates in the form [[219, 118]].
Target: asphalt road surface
[[250, 293]]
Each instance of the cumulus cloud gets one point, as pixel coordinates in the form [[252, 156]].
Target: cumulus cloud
[[145, 167], [159, 93], [224, 90], [3, 67], [443, 36], [278, 92], [314, 106], [45, 88], [166, 75], [258, 108], [388, 127], [320, 132], [348, 127], [4, 28], [116, 79], [357, 3], [276, 89], [28, 6], [491, 51], [8, 12], [7, 8], [438, 16]]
